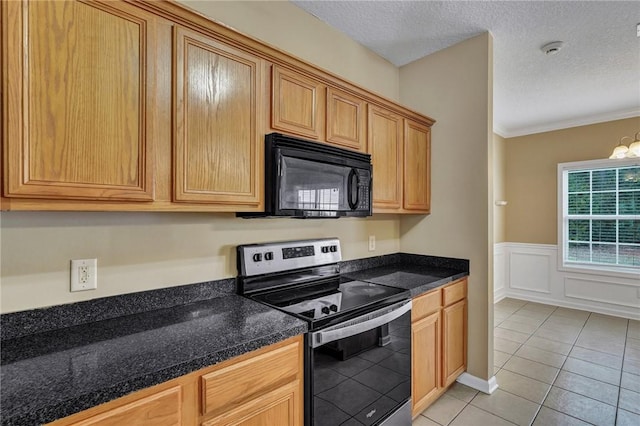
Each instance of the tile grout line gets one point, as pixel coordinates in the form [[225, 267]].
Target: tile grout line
[[469, 404], [535, 416], [624, 351]]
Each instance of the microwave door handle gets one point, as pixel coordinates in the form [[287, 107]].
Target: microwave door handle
[[353, 175], [359, 325]]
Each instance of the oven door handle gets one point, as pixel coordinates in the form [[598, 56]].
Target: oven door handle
[[359, 324]]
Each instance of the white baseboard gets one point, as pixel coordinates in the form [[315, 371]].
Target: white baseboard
[[498, 295], [485, 386], [530, 272]]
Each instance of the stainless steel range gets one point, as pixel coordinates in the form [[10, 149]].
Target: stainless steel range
[[358, 348]]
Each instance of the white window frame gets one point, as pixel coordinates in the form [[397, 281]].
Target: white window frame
[[563, 169]]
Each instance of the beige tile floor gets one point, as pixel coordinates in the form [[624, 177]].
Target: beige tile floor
[[554, 366]]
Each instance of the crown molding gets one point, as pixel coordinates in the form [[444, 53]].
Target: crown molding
[[565, 124]]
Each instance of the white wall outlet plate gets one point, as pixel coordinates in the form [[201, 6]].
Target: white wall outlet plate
[[84, 274], [372, 242]]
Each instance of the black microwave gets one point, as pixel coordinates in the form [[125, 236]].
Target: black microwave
[[305, 179]]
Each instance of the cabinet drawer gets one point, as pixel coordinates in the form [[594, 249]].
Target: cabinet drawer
[[282, 407], [233, 385], [162, 408], [425, 304], [454, 292]]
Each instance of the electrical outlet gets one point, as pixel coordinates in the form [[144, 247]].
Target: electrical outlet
[[372, 243], [84, 274]]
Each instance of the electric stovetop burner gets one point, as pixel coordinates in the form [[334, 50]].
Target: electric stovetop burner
[[320, 300]]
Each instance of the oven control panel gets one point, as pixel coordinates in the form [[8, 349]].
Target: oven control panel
[[259, 259]]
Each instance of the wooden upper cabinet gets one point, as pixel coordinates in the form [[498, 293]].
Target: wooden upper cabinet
[[218, 147], [78, 88], [346, 120], [385, 146], [417, 165], [297, 104]]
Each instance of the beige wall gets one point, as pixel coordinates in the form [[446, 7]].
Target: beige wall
[[287, 27], [141, 251], [455, 86], [499, 189], [531, 174]]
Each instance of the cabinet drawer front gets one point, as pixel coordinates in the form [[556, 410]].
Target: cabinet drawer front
[[454, 292], [237, 383], [161, 409], [425, 304], [279, 407]]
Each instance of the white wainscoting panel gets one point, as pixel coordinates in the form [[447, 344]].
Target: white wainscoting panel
[[601, 291], [530, 272], [499, 272]]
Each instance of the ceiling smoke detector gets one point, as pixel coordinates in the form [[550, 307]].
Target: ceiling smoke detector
[[552, 48]]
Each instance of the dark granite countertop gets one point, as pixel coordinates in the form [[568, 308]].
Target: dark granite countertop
[[50, 375], [60, 360], [416, 273], [409, 277]]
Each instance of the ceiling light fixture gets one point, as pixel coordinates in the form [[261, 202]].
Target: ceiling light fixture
[[552, 48], [622, 151]]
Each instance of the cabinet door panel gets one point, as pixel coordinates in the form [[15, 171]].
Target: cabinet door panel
[[218, 152], [297, 105], [417, 164], [78, 84], [425, 335], [346, 120], [385, 147], [454, 360]]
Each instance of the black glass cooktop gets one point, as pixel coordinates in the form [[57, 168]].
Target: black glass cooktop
[[329, 298]]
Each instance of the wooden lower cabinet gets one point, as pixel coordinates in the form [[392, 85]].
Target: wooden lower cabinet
[[425, 338], [439, 342], [261, 388], [454, 330]]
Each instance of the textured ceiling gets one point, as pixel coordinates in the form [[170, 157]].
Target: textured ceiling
[[594, 78]]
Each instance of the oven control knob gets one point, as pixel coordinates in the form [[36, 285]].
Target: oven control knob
[[268, 255], [325, 249], [333, 249], [334, 308], [257, 257], [325, 310]]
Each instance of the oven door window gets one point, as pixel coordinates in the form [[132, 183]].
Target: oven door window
[[311, 185], [365, 377]]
